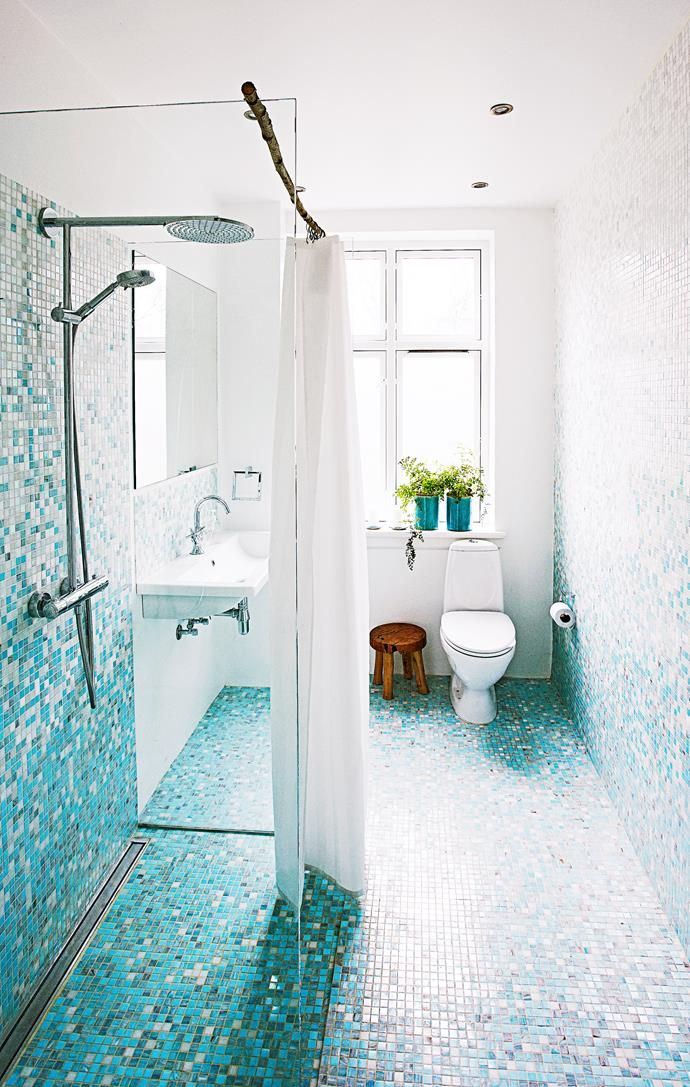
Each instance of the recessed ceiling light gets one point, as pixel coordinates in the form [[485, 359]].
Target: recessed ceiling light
[[480, 184], [249, 115], [501, 108]]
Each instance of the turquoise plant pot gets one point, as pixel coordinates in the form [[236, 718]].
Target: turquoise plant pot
[[458, 514], [426, 512]]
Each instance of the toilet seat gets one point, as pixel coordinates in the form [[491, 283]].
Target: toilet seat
[[478, 633]]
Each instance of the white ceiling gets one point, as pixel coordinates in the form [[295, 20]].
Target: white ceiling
[[392, 96]]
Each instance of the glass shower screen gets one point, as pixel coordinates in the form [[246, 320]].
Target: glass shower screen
[[178, 749]]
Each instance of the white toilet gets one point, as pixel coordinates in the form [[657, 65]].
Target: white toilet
[[478, 638]]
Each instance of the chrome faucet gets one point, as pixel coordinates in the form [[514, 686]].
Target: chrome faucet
[[198, 529]]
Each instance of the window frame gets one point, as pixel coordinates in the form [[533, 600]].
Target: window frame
[[394, 347]]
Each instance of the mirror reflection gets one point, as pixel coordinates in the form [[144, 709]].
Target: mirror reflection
[[175, 375]]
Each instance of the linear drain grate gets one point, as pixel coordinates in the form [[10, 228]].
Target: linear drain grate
[[32, 1014], [200, 828]]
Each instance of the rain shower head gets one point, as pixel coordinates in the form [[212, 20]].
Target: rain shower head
[[210, 228], [189, 228]]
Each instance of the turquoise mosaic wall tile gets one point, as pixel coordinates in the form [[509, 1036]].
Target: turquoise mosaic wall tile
[[67, 775], [622, 510]]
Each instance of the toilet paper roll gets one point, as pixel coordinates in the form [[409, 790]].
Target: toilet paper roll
[[562, 615]]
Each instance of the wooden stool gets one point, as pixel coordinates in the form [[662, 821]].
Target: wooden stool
[[406, 639]]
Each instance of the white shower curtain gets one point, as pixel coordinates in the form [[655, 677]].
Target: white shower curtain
[[325, 674]]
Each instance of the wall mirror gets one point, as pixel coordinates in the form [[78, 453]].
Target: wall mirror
[[175, 375]]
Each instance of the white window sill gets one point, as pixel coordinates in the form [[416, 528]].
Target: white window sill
[[434, 539]]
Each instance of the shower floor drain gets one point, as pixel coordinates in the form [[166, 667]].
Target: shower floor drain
[[32, 1014]]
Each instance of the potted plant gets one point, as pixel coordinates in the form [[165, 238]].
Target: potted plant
[[424, 486], [461, 483]]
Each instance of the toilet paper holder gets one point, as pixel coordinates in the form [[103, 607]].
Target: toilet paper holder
[[562, 614]]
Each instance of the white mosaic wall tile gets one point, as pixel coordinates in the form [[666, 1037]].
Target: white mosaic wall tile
[[67, 774], [623, 470], [164, 515]]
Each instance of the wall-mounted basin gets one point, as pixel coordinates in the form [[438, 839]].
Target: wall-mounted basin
[[233, 565]]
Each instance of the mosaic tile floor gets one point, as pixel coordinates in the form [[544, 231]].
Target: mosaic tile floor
[[191, 978], [222, 777], [508, 936]]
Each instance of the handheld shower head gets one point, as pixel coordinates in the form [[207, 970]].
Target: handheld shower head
[[129, 279], [135, 278]]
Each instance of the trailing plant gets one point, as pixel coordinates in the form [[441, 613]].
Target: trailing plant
[[422, 481], [410, 550]]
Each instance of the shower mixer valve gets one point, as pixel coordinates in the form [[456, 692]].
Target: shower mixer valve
[[43, 605]]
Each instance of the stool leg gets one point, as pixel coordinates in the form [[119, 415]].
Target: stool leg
[[388, 675], [419, 673], [378, 669], [407, 666]]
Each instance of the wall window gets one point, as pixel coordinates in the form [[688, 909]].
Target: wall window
[[418, 316]]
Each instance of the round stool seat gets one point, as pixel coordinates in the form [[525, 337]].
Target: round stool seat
[[405, 638], [400, 637]]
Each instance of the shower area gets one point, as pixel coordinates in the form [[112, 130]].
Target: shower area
[[142, 350]]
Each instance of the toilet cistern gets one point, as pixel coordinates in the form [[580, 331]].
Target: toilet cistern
[[199, 529]]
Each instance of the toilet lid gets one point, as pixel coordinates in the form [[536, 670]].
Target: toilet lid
[[483, 633]]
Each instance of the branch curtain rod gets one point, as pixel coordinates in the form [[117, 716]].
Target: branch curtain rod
[[314, 231]]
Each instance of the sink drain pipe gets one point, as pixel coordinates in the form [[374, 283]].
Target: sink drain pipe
[[240, 612]]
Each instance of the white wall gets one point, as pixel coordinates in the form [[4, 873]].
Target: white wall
[[522, 483], [174, 684]]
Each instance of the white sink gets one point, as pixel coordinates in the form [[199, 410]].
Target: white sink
[[233, 565]]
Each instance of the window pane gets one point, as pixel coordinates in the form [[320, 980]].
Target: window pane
[[369, 387], [438, 295], [367, 292], [438, 405]]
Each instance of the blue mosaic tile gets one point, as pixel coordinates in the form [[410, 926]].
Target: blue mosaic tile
[[67, 775], [508, 935], [622, 489], [192, 977], [222, 776]]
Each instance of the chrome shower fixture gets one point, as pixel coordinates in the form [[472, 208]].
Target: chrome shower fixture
[[128, 280], [135, 277], [189, 228], [78, 588], [217, 231]]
